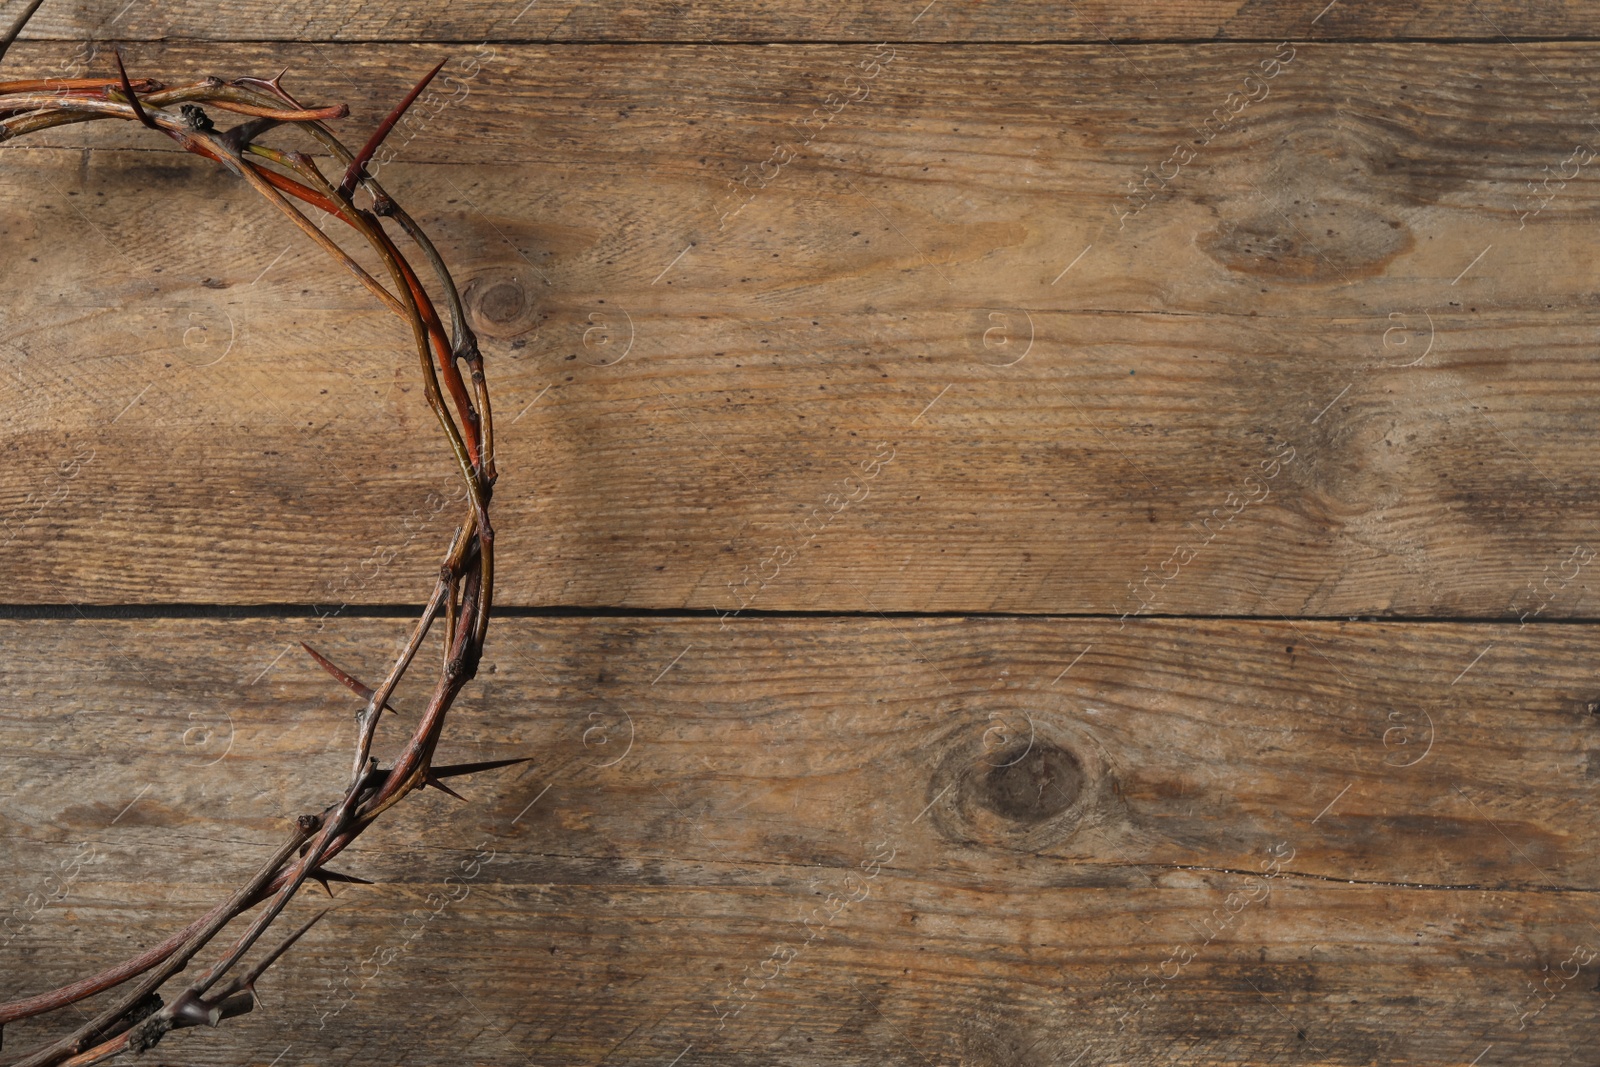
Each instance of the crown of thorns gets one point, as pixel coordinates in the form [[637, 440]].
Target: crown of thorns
[[138, 1016]]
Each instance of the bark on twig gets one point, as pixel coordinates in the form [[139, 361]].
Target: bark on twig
[[139, 1017]]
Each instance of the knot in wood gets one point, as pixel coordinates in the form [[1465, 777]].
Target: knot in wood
[[1031, 783], [1020, 780]]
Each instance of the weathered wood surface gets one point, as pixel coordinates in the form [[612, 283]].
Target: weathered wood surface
[[1337, 359], [778, 20], [700, 383], [1035, 816]]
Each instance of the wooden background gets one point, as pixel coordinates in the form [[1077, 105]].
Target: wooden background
[[959, 614]]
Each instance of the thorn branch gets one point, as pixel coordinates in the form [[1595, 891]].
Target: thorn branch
[[133, 1018]]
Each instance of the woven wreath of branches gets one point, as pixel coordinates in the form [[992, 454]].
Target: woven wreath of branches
[[138, 1016]]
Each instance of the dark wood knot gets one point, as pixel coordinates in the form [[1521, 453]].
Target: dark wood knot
[[500, 303], [1327, 241], [1032, 782], [1017, 780]]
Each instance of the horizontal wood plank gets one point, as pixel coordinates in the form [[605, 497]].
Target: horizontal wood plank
[[785, 20], [1215, 842], [939, 360]]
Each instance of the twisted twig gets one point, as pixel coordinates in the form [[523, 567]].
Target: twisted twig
[[139, 1017]]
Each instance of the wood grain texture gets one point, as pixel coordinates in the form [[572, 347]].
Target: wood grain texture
[[784, 20], [931, 355], [1094, 327], [1035, 817]]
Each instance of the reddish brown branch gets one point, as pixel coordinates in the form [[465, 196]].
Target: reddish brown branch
[[135, 1020], [75, 85], [357, 168]]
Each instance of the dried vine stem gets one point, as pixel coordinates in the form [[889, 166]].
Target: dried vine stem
[[139, 1016]]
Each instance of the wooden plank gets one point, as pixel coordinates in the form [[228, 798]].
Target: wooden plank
[[770, 20], [1061, 838], [941, 359]]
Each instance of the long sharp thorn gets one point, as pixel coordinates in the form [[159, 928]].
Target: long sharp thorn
[[433, 780], [248, 981], [436, 775], [353, 173], [455, 770], [323, 876], [355, 685], [133, 98], [16, 27], [358, 688]]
